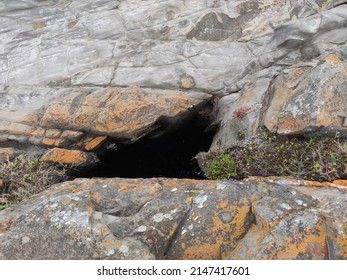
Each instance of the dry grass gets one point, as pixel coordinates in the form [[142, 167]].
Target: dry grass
[[26, 175]]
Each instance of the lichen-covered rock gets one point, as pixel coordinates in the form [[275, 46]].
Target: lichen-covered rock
[[83, 118], [310, 100], [71, 158], [117, 112], [60, 64], [178, 219], [7, 154]]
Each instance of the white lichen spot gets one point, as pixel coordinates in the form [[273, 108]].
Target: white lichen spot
[[168, 216], [285, 206], [124, 249], [158, 217], [199, 200], [220, 186], [190, 227], [25, 240], [141, 229], [299, 202], [174, 190], [109, 252]]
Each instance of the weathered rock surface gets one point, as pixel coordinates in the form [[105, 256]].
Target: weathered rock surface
[[84, 118], [310, 100], [71, 158], [78, 77], [178, 219], [65, 59]]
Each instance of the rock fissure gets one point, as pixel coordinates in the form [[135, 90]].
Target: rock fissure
[[174, 237]]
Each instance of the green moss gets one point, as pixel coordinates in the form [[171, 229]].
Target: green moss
[[222, 166]]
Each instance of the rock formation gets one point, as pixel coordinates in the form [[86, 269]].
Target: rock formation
[[178, 219], [80, 79]]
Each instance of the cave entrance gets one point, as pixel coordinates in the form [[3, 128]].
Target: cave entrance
[[170, 155]]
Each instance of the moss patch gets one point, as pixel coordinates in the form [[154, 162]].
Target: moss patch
[[319, 159]]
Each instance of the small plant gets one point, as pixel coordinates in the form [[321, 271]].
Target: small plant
[[316, 167], [222, 166], [245, 110], [268, 154], [25, 176]]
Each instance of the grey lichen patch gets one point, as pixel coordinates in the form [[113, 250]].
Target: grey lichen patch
[[124, 249], [220, 186], [141, 229], [158, 217], [199, 200], [226, 217], [215, 27]]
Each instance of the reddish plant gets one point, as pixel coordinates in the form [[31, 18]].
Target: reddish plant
[[244, 110]]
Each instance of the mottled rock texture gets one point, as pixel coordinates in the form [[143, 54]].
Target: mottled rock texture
[[178, 219], [62, 63], [82, 76]]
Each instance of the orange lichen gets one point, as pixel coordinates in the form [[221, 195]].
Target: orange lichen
[[312, 243], [340, 183], [5, 225], [38, 25], [202, 251], [64, 156], [48, 141], [332, 58], [94, 196], [94, 143]]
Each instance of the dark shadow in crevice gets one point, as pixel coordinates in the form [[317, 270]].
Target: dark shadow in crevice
[[171, 155]]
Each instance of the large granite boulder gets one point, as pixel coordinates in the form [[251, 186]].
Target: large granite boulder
[[178, 219]]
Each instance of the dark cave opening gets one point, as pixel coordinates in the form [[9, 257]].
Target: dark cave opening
[[171, 154]]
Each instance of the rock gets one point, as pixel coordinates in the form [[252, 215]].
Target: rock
[[59, 59], [84, 117], [178, 219], [310, 100], [240, 115], [7, 154], [70, 158], [120, 113], [85, 78]]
